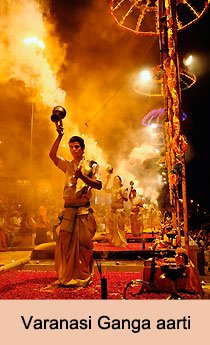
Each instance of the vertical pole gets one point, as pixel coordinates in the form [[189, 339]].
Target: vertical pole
[[178, 220], [185, 211], [172, 103], [183, 168], [164, 54], [31, 141]]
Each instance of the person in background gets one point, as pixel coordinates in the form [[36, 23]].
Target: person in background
[[42, 225], [135, 213], [28, 224], [15, 221], [3, 231], [8, 229], [116, 219]]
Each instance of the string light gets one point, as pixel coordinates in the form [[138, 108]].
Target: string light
[[132, 15]]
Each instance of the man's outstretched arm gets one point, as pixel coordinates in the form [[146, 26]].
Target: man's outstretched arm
[[54, 149]]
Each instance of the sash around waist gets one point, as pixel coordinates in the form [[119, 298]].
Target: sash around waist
[[75, 203]]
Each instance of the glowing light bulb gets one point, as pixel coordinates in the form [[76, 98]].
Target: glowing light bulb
[[35, 41], [188, 60], [145, 76], [153, 125]]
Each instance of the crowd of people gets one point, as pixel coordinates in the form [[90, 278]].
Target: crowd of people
[[75, 224], [201, 238], [18, 221]]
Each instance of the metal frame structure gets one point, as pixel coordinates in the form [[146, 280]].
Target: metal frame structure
[[167, 20]]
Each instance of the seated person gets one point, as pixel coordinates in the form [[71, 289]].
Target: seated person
[[28, 224]]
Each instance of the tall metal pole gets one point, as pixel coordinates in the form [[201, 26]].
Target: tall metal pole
[[182, 155], [185, 209], [164, 55], [31, 141], [173, 108]]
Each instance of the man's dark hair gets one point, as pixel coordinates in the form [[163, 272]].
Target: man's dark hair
[[78, 139], [119, 178]]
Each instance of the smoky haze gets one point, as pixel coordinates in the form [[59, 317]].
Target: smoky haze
[[87, 66]]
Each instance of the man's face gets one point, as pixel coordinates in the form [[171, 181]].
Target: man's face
[[117, 181], [76, 150]]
